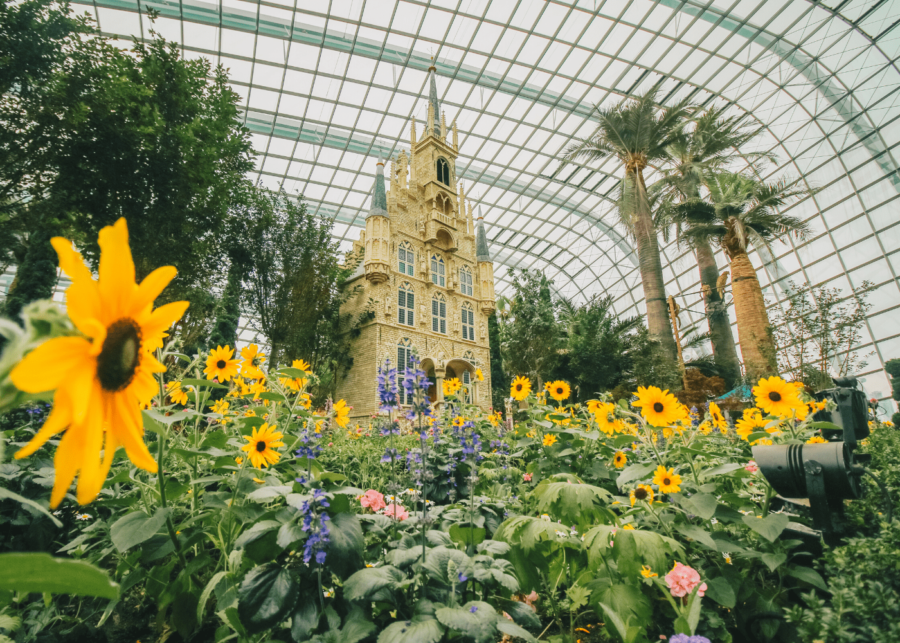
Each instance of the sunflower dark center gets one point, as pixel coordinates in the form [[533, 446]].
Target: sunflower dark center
[[667, 481], [120, 355], [221, 363], [640, 494], [518, 387], [658, 407], [260, 446], [775, 396]]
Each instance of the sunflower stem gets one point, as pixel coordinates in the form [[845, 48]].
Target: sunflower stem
[[161, 454]]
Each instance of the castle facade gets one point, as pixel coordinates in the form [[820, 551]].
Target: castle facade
[[428, 268]]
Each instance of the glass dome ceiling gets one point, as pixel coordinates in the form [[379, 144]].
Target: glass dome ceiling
[[328, 87]]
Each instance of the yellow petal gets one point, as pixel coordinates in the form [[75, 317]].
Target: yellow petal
[[157, 322], [116, 269], [150, 288], [129, 430], [66, 461], [58, 420], [47, 366], [84, 307], [89, 480], [70, 260], [144, 387], [80, 388]]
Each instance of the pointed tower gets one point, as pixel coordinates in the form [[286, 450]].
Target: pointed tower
[[378, 232], [485, 267]]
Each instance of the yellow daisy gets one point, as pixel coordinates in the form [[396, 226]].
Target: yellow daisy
[[667, 479], [177, 394], [262, 444], [219, 365], [716, 417], [659, 408], [752, 422], [520, 388], [451, 386], [479, 375], [705, 428], [252, 358], [341, 413], [817, 439], [559, 390], [620, 459], [104, 377], [301, 365], [549, 440], [220, 407], [646, 572], [777, 397], [641, 492]]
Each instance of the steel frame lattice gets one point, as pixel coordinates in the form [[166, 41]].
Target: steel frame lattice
[[327, 87]]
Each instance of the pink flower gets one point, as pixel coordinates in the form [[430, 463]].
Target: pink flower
[[373, 500], [531, 598], [683, 579], [752, 467], [526, 477], [397, 512]]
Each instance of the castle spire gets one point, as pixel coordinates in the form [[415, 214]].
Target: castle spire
[[481, 246], [379, 198], [433, 99]]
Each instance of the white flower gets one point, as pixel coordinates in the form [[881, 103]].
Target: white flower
[[83, 517], [713, 521], [545, 517]]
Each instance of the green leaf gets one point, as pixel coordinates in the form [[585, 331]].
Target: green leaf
[[184, 614], [419, 630], [700, 504], [202, 383], [290, 371], [721, 592], [522, 614], [305, 619], [169, 420], [207, 591], [808, 575], [508, 627], [264, 494], [260, 542], [615, 620], [41, 573], [572, 503], [722, 469], [467, 535], [5, 493], [478, 624], [769, 527], [773, 561], [634, 472], [824, 425], [366, 582], [627, 601], [356, 626], [276, 397], [346, 544], [693, 612], [697, 533], [134, 528], [266, 596]]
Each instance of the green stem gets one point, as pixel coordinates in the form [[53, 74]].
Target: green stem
[[161, 454]]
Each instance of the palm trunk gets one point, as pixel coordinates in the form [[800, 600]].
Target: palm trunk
[[757, 345], [724, 350], [658, 322]]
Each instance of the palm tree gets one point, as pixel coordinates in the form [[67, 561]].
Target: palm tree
[[739, 211], [713, 143], [639, 132]]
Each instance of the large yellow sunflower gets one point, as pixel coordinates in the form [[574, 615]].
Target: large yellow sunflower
[[252, 359], [752, 422], [451, 386], [341, 413], [777, 397], [641, 492], [716, 417], [103, 377], [520, 388], [177, 394], [667, 479], [659, 408], [605, 417], [620, 459], [219, 365], [262, 444], [559, 390], [297, 384]]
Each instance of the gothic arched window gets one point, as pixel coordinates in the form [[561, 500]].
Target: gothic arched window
[[406, 305], [407, 259], [465, 281], [404, 351], [468, 322], [439, 314], [438, 274], [443, 171]]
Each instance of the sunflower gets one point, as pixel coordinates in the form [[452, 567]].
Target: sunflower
[[451, 386], [659, 408], [817, 439], [620, 459], [705, 428], [716, 417], [220, 407], [177, 394], [549, 440], [262, 444], [667, 479], [301, 365], [252, 359], [219, 365], [479, 376], [641, 492], [458, 421], [103, 378], [777, 397], [520, 389], [559, 390], [751, 422], [341, 413]]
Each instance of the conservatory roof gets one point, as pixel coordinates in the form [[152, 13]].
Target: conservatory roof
[[327, 88]]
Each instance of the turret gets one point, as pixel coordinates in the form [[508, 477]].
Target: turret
[[378, 232], [485, 267], [434, 113]]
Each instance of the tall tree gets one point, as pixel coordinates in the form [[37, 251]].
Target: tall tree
[[711, 145], [530, 336], [637, 131], [37, 275], [740, 211]]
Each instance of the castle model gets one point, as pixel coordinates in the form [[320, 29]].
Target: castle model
[[428, 267]]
